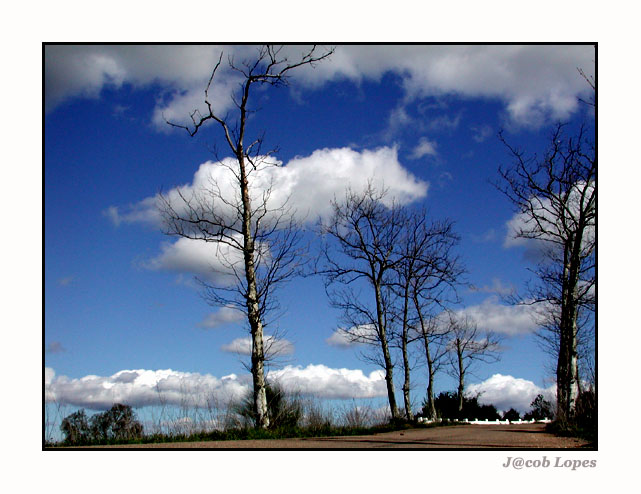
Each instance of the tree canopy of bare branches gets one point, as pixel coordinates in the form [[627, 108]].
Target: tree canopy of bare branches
[[555, 198], [361, 252], [386, 268], [467, 346], [427, 276], [256, 237]]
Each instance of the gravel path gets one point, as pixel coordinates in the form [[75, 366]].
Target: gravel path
[[524, 436]]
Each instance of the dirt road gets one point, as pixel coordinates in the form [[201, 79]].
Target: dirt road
[[524, 436]]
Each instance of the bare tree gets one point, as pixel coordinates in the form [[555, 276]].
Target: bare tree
[[467, 347], [256, 236], [434, 339], [549, 337], [555, 197], [426, 275], [365, 235], [435, 272]]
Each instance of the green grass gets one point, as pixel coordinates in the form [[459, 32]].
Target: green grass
[[249, 433]]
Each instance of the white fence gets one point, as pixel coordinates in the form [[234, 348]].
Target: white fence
[[423, 420]]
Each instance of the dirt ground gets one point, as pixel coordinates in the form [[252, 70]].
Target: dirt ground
[[526, 436]]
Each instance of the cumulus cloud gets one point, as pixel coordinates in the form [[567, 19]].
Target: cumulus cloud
[[274, 347], [325, 382], [140, 388], [84, 70], [534, 82], [507, 392], [506, 319], [307, 184], [357, 335], [550, 223], [223, 316], [212, 262]]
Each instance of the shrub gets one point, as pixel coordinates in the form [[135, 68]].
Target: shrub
[[511, 415], [540, 409], [583, 422], [357, 416], [446, 404], [75, 428], [284, 412], [117, 424]]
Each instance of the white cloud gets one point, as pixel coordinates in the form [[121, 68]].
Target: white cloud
[[444, 122], [313, 181], [145, 212], [357, 335], [274, 347], [549, 222], [50, 374], [507, 392], [211, 262], [534, 82], [307, 184], [506, 319], [325, 382], [140, 388], [497, 287], [425, 147], [112, 213], [84, 70], [223, 316]]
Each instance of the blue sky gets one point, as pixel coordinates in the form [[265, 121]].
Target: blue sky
[[120, 295]]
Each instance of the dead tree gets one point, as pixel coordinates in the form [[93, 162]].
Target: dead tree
[[360, 253], [256, 238], [555, 199], [467, 347]]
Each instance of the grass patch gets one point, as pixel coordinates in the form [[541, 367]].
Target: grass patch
[[587, 432], [249, 433]]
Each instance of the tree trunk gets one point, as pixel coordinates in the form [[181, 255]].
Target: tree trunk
[[406, 364], [567, 366], [253, 309], [431, 406], [461, 375], [387, 359]]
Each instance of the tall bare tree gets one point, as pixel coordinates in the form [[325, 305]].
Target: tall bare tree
[[433, 280], [555, 198], [361, 251], [256, 236], [426, 277], [468, 345]]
